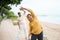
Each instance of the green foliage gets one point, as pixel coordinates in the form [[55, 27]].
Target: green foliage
[[0, 18], [7, 7], [13, 18], [4, 8], [6, 11], [7, 2], [11, 15]]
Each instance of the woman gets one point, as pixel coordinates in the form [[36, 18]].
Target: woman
[[36, 30], [23, 25]]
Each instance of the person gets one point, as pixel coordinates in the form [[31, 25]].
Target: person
[[36, 30], [19, 15], [22, 24]]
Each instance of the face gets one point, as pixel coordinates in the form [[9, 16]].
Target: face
[[30, 18]]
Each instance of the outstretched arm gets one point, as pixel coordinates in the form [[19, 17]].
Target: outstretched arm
[[22, 10], [32, 13], [29, 10]]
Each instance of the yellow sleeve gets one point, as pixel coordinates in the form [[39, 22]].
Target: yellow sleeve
[[32, 13]]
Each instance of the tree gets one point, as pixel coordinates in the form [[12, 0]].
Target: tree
[[4, 5], [0, 18]]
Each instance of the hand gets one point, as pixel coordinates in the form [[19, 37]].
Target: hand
[[21, 8]]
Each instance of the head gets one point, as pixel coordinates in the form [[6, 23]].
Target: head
[[29, 17], [19, 14]]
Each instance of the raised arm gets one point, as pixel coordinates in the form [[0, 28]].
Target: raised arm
[[32, 13], [22, 10], [29, 10]]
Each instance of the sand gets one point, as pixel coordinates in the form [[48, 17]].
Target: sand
[[9, 32], [51, 31]]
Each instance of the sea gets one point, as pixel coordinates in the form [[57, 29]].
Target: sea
[[49, 18]]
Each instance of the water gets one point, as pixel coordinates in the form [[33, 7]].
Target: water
[[50, 18]]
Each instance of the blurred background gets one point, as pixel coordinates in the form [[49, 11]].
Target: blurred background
[[47, 11]]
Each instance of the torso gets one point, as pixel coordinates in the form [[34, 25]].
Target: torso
[[36, 26]]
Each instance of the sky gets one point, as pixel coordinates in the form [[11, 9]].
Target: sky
[[40, 7]]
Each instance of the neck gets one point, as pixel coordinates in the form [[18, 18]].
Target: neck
[[19, 16]]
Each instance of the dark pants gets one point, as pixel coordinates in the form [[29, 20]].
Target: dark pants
[[39, 36]]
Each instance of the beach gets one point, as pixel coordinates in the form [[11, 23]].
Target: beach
[[51, 31], [8, 31]]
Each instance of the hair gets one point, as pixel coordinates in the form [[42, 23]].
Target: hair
[[28, 15], [18, 13]]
